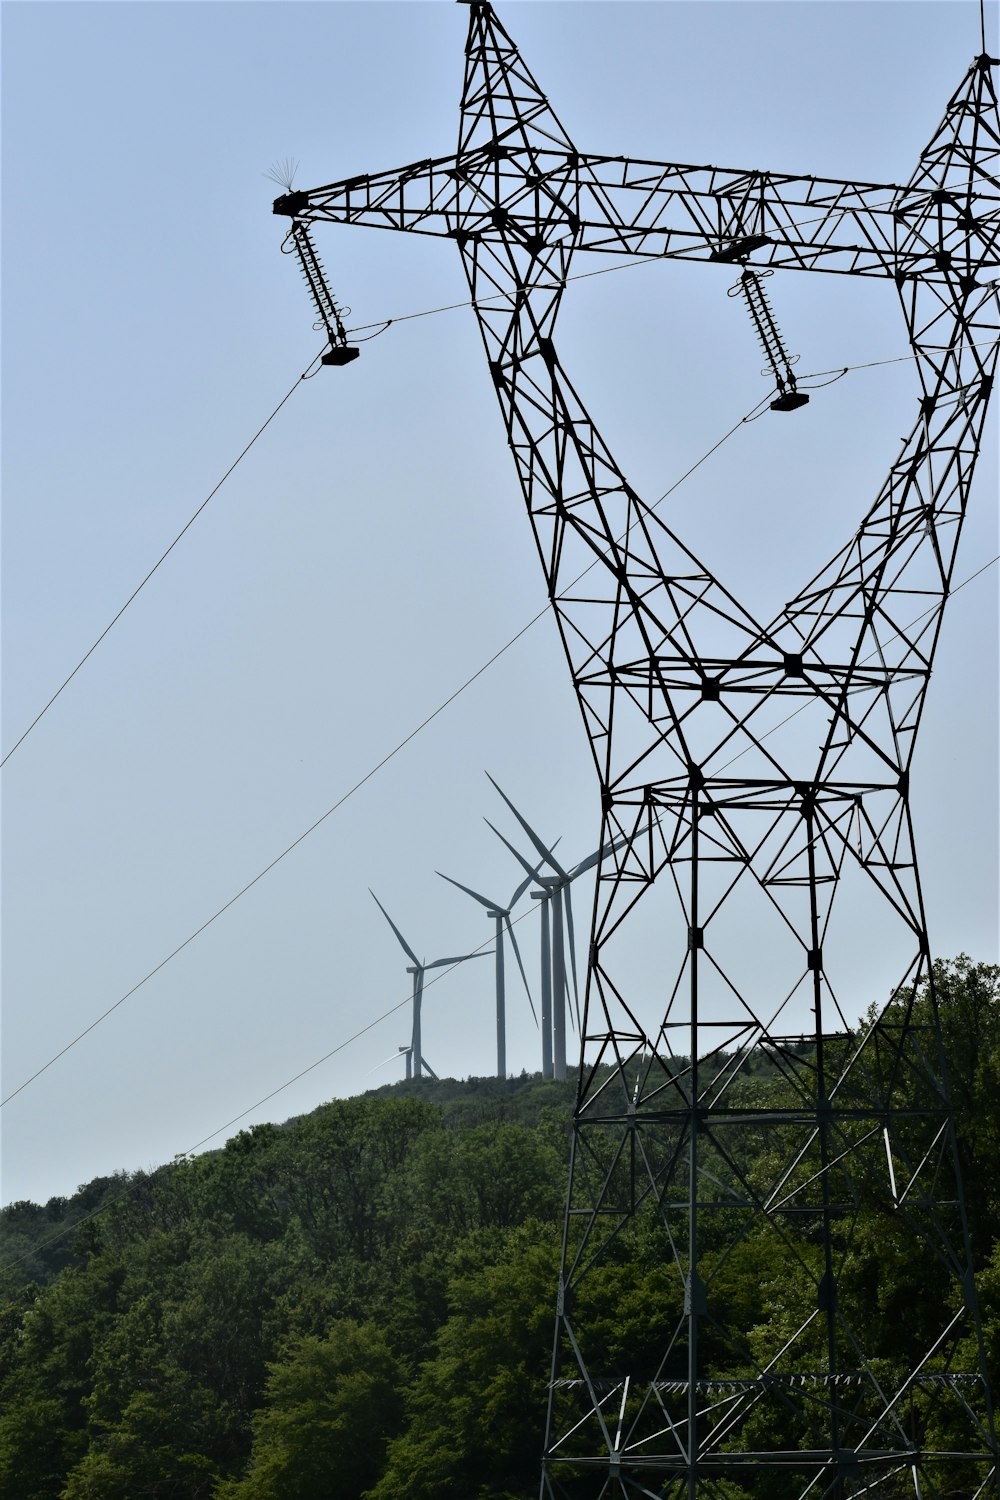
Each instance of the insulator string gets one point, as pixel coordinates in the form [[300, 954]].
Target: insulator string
[[751, 289]]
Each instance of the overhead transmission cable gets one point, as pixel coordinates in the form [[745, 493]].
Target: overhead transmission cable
[[531, 910], [276, 861], [127, 1191], [377, 1021], [307, 374], [111, 1203], [413, 734], [428, 719], [386, 761], [160, 561]]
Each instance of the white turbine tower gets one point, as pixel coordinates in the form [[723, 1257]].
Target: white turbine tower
[[501, 917], [418, 970]]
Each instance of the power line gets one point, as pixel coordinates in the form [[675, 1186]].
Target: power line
[[383, 324], [277, 859], [363, 1031], [160, 560], [106, 1206], [126, 1192], [428, 984], [381, 327], [400, 1005], [435, 713], [348, 794], [376, 768], [274, 862]]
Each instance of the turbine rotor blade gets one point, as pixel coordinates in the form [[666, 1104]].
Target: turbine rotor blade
[[393, 1056], [525, 882], [586, 864], [403, 943], [533, 836], [591, 860], [492, 905], [520, 965], [519, 857], [439, 963]]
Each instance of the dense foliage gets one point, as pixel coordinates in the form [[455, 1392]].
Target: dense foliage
[[360, 1301]]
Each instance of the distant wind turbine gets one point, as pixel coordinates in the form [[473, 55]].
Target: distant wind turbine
[[555, 892], [546, 954], [418, 970], [501, 916]]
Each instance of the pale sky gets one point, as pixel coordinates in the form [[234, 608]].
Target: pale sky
[[371, 552]]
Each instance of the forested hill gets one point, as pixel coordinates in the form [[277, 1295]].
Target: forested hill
[[37, 1242], [359, 1302]]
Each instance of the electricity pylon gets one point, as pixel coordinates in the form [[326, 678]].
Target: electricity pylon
[[751, 773]]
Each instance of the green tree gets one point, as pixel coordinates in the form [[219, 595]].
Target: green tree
[[337, 1161], [159, 1447], [489, 1176], [476, 1410], [330, 1407], [47, 1379]]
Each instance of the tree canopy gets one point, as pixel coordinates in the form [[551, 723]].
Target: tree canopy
[[360, 1301]]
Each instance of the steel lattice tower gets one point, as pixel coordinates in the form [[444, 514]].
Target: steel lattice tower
[[704, 724]]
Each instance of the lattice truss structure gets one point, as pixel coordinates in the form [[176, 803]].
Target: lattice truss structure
[[722, 813]]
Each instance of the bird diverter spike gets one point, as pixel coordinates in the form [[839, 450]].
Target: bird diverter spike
[[299, 242], [751, 289]]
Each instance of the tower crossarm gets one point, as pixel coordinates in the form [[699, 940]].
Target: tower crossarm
[[616, 205]]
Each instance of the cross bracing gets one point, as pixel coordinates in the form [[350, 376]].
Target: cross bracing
[[754, 776]]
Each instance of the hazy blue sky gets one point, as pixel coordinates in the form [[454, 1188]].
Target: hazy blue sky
[[372, 550]]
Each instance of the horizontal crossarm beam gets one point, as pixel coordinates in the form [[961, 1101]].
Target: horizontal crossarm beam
[[621, 206]]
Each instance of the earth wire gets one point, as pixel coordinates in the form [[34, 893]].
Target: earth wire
[[160, 560]]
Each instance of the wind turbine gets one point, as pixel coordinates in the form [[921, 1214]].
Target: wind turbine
[[501, 916], [555, 891], [546, 956], [418, 970]]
